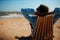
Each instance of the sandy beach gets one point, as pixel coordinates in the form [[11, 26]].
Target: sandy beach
[[10, 28], [56, 30]]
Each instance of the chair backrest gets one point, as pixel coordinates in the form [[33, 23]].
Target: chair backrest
[[44, 28]]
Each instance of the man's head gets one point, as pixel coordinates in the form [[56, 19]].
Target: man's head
[[42, 9]]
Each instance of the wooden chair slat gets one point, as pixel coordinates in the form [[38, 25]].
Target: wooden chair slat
[[44, 28]]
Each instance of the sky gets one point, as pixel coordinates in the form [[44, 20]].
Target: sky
[[16, 5]]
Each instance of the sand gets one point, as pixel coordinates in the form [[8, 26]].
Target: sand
[[56, 30], [10, 28]]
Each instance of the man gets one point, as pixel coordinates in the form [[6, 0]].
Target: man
[[42, 10]]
